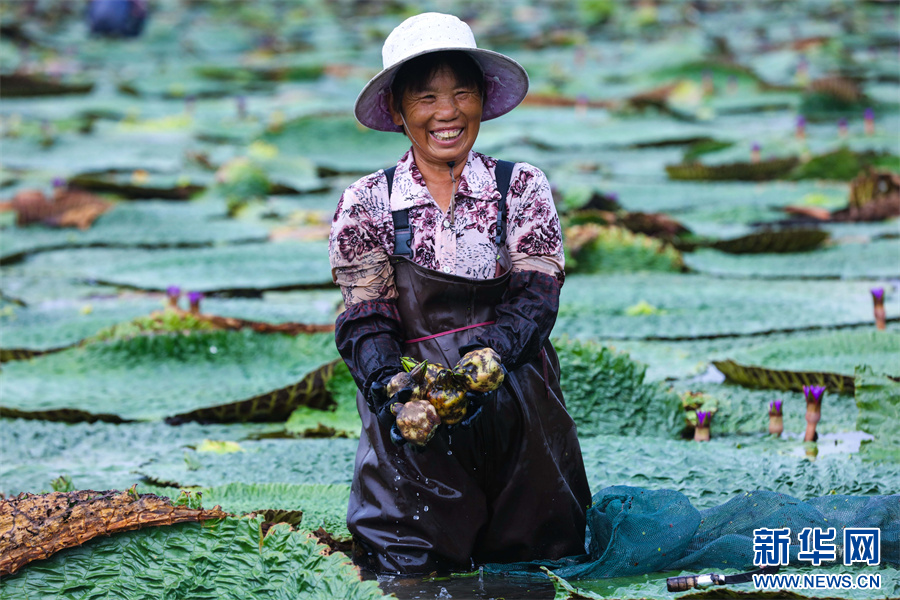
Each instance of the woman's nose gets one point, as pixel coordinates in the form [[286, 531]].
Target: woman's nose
[[447, 107]]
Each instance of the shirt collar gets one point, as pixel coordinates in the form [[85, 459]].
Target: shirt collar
[[476, 181]]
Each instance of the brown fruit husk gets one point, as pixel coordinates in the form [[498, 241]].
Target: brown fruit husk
[[417, 421], [447, 393], [480, 370], [35, 526], [397, 383]]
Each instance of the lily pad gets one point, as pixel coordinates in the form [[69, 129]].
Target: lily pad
[[98, 381], [845, 261], [230, 559], [287, 265], [698, 306]]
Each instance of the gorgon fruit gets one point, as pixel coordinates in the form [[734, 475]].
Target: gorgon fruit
[[481, 370], [447, 393], [405, 379], [417, 421]]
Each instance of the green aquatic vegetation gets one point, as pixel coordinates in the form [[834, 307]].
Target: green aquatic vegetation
[[844, 164], [878, 399], [160, 322], [593, 248], [851, 260], [340, 419], [245, 376], [700, 306], [605, 393], [232, 558], [321, 505]]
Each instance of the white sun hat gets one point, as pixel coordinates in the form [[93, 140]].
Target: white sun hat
[[505, 80]]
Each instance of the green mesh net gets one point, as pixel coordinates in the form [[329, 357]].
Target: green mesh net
[[635, 531]]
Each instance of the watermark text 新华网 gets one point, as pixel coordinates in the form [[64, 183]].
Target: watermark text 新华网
[[772, 547]]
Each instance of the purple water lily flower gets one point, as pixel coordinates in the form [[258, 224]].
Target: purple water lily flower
[[869, 114], [813, 393], [59, 182], [173, 290], [195, 297], [877, 294], [775, 408], [703, 418]]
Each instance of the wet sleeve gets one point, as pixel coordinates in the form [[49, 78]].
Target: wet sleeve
[[368, 332]]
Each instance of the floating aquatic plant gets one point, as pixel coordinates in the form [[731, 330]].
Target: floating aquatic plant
[[801, 127], [194, 299], [878, 301], [776, 419], [173, 293], [813, 395], [869, 119], [701, 432]]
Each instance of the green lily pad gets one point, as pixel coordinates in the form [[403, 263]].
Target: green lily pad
[[229, 559], [328, 461], [60, 324], [270, 266], [322, 506], [246, 376], [846, 261], [878, 399], [696, 306], [98, 456], [145, 224]]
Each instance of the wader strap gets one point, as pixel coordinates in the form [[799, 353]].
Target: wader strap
[[503, 174], [403, 230]]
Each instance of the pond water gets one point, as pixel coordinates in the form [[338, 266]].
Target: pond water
[[463, 587]]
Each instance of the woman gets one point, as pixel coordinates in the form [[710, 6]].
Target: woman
[[441, 265]]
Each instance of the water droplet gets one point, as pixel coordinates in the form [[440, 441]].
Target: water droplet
[[213, 349], [397, 478], [426, 509], [449, 452], [415, 517]]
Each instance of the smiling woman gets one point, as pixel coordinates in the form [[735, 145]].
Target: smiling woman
[[450, 257]]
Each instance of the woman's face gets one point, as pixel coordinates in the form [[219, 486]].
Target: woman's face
[[442, 119]]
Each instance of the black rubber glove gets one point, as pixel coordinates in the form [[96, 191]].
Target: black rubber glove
[[368, 336], [524, 320]]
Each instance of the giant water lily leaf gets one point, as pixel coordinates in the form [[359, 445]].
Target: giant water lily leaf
[[59, 324], [598, 381], [837, 352], [782, 379], [338, 420], [322, 505], [878, 399], [845, 261], [800, 240], [712, 473], [223, 268], [694, 306], [143, 185], [339, 144], [34, 527], [229, 559], [678, 197], [328, 461], [222, 375], [147, 224], [107, 149], [99, 456]]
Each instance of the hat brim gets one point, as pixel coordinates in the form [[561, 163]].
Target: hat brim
[[505, 80]]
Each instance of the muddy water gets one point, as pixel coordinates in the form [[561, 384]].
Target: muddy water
[[475, 586]]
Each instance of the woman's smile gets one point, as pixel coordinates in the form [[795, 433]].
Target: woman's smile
[[442, 119]]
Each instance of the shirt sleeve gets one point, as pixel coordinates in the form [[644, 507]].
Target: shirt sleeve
[[356, 246], [534, 238]]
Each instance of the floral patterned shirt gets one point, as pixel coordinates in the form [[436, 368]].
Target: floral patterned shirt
[[362, 233]]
